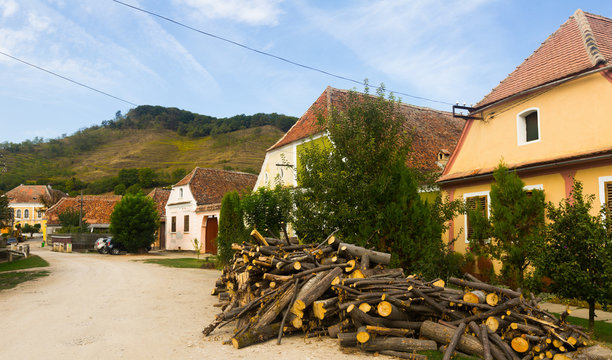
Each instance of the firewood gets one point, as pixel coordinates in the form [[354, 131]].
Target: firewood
[[255, 235], [492, 299], [348, 339], [399, 344], [390, 311], [320, 307], [443, 334], [355, 313], [358, 251], [484, 286], [321, 284], [255, 336], [453, 342], [519, 344], [381, 330], [404, 355], [474, 297], [335, 329], [363, 336]]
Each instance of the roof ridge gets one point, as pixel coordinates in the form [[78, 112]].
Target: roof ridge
[[588, 38]]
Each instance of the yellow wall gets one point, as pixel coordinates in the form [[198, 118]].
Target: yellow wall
[[32, 219], [575, 117]]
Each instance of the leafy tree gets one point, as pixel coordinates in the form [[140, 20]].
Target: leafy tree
[[578, 253], [128, 177], [134, 222], [133, 189], [119, 189], [362, 187], [70, 219], [29, 229], [231, 226], [268, 210], [516, 226], [146, 177], [6, 213]]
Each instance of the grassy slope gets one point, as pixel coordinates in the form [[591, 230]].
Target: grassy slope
[[163, 149]]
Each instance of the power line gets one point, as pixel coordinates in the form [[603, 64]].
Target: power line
[[68, 79], [269, 54]]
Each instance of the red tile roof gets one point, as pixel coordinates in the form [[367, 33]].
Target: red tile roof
[[209, 185], [433, 129], [97, 209], [582, 43], [160, 196], [30, 193]]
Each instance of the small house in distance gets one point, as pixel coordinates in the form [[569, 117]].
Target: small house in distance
[[194, 204], [26, 202], [97, 210]]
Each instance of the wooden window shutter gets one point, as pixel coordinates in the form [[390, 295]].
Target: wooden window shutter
[[186, 224], [476, 203], [173, 226], [608, 190]]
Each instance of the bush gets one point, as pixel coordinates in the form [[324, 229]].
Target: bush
[[268, 210], [134, 222], [231, 227]]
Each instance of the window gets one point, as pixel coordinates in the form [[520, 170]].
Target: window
[[26, 214], [528, 126], [173, 224], [180, 193], [39, 214], [529, 189], [18, 214], [605, 192], [478, 203], [186, 224]]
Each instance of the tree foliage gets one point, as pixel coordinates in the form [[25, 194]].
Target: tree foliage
[[268, 210], [516, 226], [231, 226], [30, 229], [362, 187], [6, 213], [578, 253], [134, 222]]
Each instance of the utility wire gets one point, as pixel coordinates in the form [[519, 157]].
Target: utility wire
[[269, 54], [68, 79]]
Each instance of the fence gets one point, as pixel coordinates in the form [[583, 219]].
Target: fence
[[80, 242]]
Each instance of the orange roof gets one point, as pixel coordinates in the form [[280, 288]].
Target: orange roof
[[209, 185], [160, 196], [29, 193], [433, 129], [582, 43], [97, 209]]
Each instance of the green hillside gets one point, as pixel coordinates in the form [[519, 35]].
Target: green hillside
[[164, 143]]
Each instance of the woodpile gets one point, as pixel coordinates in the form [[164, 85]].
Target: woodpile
[[273, 288]]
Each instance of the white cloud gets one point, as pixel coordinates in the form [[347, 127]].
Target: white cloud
[[8, 8], [251, 12], [417, 42]]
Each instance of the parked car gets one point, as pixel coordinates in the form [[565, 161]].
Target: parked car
[[115, 248], [102, 245]]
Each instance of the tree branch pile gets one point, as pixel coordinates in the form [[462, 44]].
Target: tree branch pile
[[348, 292]]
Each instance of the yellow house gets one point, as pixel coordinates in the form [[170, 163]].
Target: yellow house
[[550, 120], [25, 201]]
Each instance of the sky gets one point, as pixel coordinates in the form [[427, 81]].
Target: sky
[[443, 50]]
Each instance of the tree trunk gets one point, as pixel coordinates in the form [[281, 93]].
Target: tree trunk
[[399, 344], [453, 342], [591, 314]]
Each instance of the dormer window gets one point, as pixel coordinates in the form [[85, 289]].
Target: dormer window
[[528, 126]]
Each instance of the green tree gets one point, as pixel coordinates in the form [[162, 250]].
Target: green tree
[[578, 253], [134, 222], [70, 220], [6, 213], [128, 177], [146, 177], [30, 229], [268, 210], [516, 226], [362, 187], [231, 226], [119, 189], [133, 189]]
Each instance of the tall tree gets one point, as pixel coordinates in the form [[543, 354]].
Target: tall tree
[[268, 210], [516, 226], [6, 213], [231, 226], [578, 253], [134, 222]]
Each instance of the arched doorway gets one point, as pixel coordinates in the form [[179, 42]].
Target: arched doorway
[[212, 229]]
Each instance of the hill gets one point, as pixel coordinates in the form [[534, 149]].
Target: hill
[[164, 143]]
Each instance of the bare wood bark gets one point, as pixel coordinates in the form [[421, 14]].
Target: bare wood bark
[[358, 251], [404, 355], [484, 286], [381, 330], [282, 325], [443, 335], [453, 342], [399, 344], [254, 336]]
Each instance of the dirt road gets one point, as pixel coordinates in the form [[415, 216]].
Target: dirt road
[[112, 307]]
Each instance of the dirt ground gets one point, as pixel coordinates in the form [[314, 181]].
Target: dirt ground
[[111, 307]]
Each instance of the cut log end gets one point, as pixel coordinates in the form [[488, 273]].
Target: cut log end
[[362, 335], [519, 344], [492, 299], [384, 308]]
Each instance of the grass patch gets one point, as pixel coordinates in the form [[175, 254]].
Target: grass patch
[[33, 261], [186, 263], [436, 355], [603, 330], [10, 280]]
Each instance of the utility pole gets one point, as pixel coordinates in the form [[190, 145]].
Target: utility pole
[[81, 213]]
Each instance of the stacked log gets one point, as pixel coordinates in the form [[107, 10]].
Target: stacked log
[[273, 288]]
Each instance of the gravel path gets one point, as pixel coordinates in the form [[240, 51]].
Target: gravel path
[[110, 307]]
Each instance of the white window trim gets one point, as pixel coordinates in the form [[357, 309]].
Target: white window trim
[[534, 187], [472, 194], [521, 128], [602, 190]]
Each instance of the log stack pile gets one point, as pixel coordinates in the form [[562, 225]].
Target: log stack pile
[[348, 292]]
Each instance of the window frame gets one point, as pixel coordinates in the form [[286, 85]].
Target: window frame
[[26, 214], [18, 214], [521, 126], [173, 224], [603, 198], [466, 196]]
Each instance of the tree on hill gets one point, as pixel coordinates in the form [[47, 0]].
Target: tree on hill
[[134, 222], [578, 253]]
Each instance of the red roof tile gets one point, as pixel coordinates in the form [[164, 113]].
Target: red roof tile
[[209, 185], [582, 43], [29, 193], [160, 196], [97, 209], [433, 129]]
